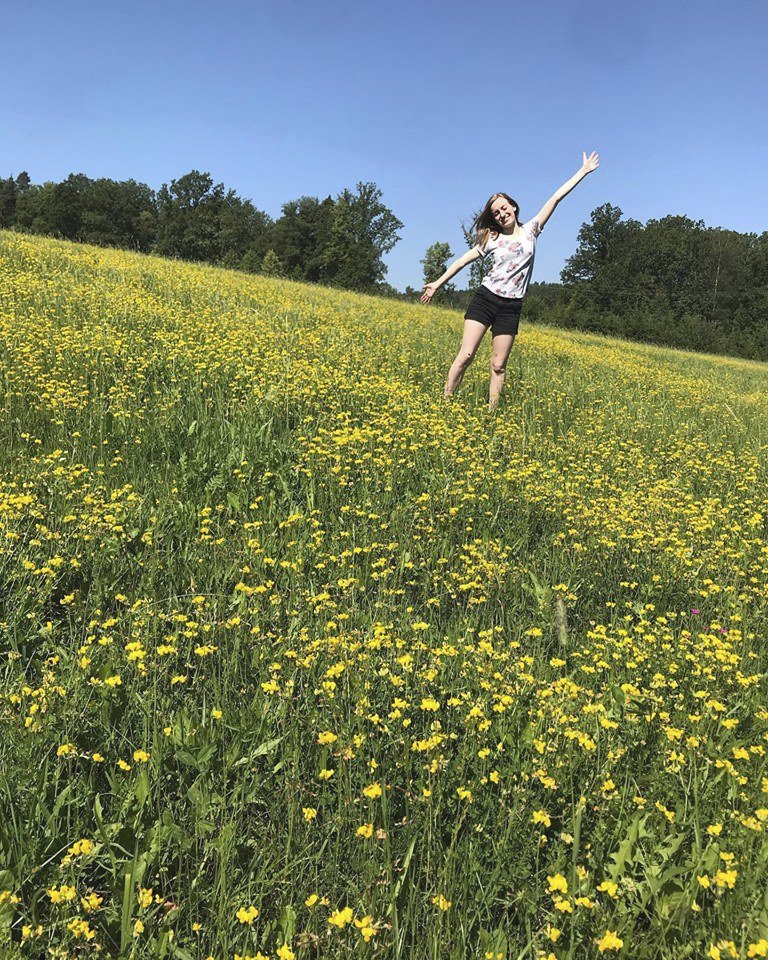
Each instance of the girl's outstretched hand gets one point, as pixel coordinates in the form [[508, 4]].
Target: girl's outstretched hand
[[429, 291], [591, 162]]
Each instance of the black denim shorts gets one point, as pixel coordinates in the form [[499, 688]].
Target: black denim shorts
[[501, 314]]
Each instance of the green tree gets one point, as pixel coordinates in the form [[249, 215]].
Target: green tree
[[243, 231], [188, 217], [59, 207], [7, 202], [118, 214], [362, 230], [756, 293], [104, 212], [301, 235], [272, 265], [435, 263], [31, 206], [591, 262], [672, 281], [10, 191]]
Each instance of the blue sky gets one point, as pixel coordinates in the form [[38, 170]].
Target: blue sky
[[441, 104]]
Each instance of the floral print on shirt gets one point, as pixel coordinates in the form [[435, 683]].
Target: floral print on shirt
[[510, 273]]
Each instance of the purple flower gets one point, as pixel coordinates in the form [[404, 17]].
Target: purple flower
[[695, 611]]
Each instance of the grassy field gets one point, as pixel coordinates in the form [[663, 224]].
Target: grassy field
[[299, 659]]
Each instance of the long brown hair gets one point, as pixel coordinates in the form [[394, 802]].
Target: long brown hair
[[485, 223]]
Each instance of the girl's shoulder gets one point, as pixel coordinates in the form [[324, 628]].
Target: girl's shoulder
[[532, 228]]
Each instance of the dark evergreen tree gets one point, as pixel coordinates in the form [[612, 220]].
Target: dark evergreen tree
[[8, 192]]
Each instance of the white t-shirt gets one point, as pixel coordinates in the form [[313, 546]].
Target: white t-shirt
[[510, 273]]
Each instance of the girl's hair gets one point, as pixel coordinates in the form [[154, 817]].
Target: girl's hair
[[485, 223]]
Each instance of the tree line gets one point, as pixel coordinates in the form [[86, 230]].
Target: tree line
[[671, 281], [337, 241]]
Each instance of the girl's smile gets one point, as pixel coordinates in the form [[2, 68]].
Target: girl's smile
[[504, 213]]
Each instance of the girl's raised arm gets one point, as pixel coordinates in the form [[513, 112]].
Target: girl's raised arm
[[590, 163], [430, 289]]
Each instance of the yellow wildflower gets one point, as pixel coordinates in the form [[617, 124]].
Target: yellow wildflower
[[609, 941]]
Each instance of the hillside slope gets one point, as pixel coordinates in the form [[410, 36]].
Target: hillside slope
[[300, 656]]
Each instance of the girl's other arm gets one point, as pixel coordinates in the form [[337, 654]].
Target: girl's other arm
[[590, 163], [430, 289]]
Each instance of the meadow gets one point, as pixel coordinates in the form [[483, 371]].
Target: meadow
[[300, 660]]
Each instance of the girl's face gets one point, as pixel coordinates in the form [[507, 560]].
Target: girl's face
[[503, 212]]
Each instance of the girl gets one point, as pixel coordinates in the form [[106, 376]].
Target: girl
[[499, 299]]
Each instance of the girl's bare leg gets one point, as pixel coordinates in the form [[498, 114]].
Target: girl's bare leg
[[502, 344], [470, 341]]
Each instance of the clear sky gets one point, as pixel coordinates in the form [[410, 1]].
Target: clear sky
[[440, 103]]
